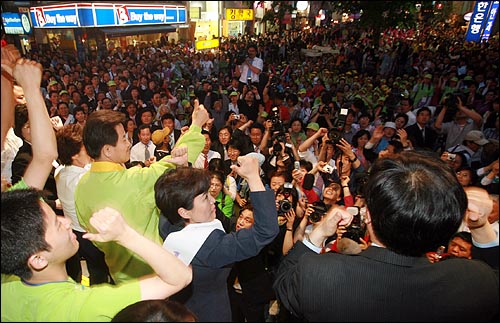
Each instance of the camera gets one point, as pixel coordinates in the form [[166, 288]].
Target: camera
[[320, 209], [296, 165], [236, 117], [335, 133], [451, 100], [328, 169], [451, 156], [278, 131], [357, 228], [249, 81], [284, 207], [241, 57]]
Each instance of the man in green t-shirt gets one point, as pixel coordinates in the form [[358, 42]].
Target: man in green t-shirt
[[130, 191], [35, 246]]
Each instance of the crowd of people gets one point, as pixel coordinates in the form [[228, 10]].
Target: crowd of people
[[237, 184]]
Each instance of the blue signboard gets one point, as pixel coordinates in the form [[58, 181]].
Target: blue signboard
[[478, 21], [106, 15], [491, 19], [16, 23], [54, 16]]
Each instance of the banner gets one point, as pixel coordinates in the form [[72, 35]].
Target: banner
[[478, 21]]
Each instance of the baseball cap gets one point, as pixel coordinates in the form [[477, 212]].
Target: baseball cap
[[477, 137], [428, 76], [53, 83], [313, 125], [233, 93], [111, 83], [158, 135], [390, 125], [184, 102], [302, 91], [454, 79], [63, 92]]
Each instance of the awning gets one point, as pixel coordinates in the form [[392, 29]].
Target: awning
[[138, 30]]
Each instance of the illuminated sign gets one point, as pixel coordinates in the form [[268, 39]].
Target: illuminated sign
[[16, 23], [239, 14], [205, 44], [478, 21], [106, 15], [491, 19]]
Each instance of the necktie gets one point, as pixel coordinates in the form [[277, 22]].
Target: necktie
[[205, 165], [256, 149], [249, 73], [423, 133], [146, 153]]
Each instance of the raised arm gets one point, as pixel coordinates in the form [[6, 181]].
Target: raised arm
[[28, 75], [310, 141], [171, 273], [10, 54]]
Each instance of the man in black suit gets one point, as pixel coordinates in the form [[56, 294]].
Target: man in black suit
[[414, 204], [420, 134]]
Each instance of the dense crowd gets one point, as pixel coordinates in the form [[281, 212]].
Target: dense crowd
[[148, 130]]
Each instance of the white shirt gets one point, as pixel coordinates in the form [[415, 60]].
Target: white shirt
[[10, 148], [257, 62], [137, 151], [200, 161], [67, 177]]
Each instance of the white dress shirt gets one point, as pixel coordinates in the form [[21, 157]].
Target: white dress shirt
[[137, 151], [67, 177], [200, 161]]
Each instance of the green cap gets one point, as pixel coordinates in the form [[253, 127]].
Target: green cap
[[313, 125]]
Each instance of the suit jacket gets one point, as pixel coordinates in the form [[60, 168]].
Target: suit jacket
[[207, 294], [380, 285], [19, 165], [418, 141]]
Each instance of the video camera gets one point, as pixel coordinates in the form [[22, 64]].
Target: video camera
[[335, 133]]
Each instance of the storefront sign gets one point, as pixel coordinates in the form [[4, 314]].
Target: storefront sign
[[478, 21], [239, 14], [491, 19], [16, 23], [205, 44], [106, 15]]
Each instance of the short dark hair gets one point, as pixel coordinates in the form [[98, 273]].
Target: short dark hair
[[100, 130], [252, 45], [20, 119], [23, 230], [177, 188], [422, 109], [155, 310], [69, 142], [359, 134], [415, 202], [464, 235]]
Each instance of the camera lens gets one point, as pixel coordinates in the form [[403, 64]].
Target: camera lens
[[285, 206]]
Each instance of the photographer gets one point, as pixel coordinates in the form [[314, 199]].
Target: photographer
[[249, 69], [464, 120]]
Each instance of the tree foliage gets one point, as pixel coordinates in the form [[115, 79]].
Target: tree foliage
[[380, 15]]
